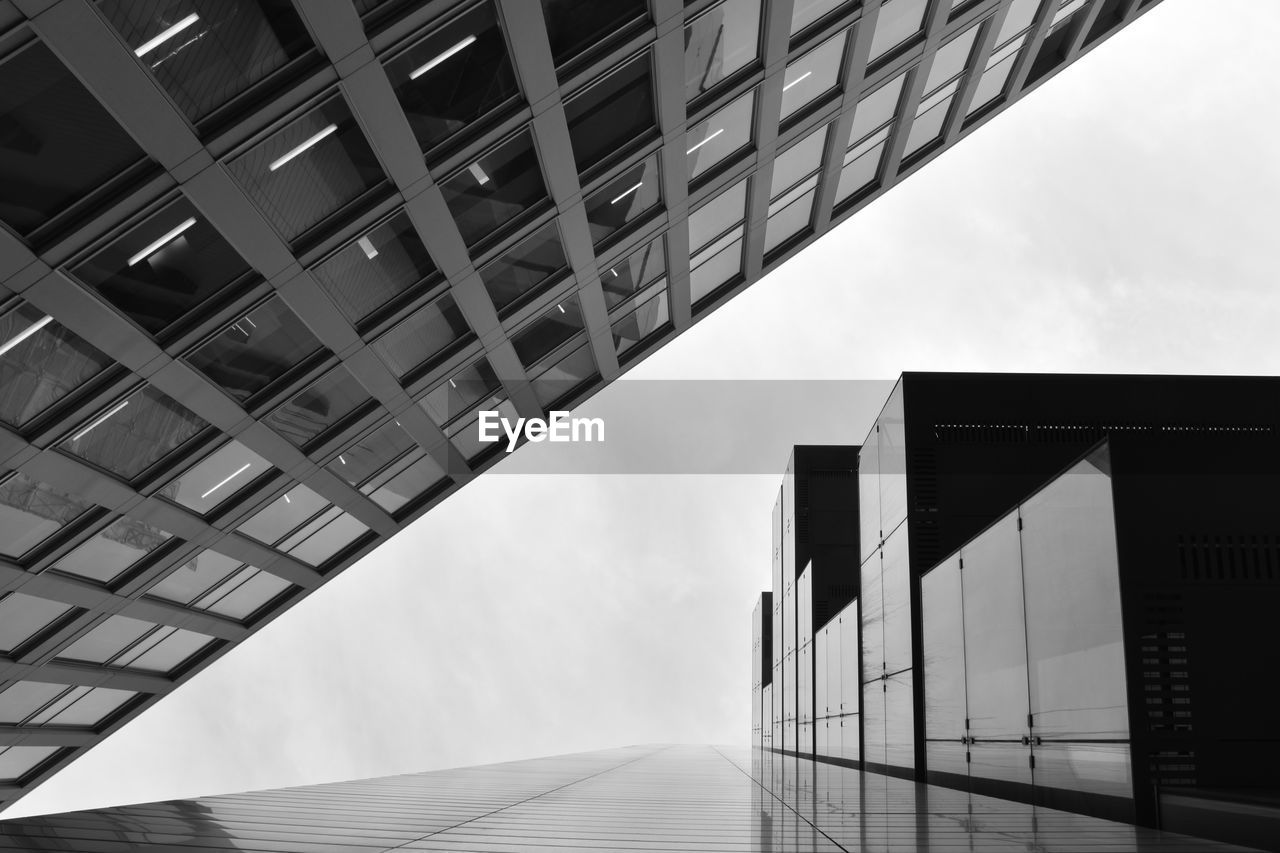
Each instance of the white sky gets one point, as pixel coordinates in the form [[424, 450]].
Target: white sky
[[1123, 218]]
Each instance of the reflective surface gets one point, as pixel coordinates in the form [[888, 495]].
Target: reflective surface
[[899, 20], [133, 434], [40, 363], [500, 185], [575, 26], [518, 273], [812, 75], [634, 272], [111, 551], [623, 200], [257, 349], [611, 113], [423, 337], [688, 798], [322, 405], [725, 132], [381, 264], [32, 511], [719, 42]]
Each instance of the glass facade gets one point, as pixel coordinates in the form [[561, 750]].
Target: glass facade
[[720, 42], [611, 114], [23, 618], [499, 186], [813, 75], [320, 407], [422, 338], [577, 26], [118, 547], [134, 433], [526, 269], [726, 132], [623, 201], [375, 269], [633, 273], [793, 188], [40, 363], [255, 350]]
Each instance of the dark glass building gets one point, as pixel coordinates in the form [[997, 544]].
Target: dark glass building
[[1062, 595], [263, 263]]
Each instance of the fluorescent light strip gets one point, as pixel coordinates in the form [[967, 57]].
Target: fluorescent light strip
[[25, 333], [423, 69], [797, 80], [82, 433], [231, 477], [561, 307], [280, 161], [478, 174], [627, 193], [367, 244], [152, 44], [152, 248], [705, 141]]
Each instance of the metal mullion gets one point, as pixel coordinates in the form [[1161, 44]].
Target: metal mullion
[[893, 154]]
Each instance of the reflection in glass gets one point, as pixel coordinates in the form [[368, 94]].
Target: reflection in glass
[[790, 215], [119, 546], [861, 165], [23, 616], [623, 200], [899, 729], [323, 537], [931, 119], [541, 337], [454, 76], [205, 53], [193, 578], [40, 363], [423, 337], [725, 132], [629, 275], [517, 273], [992, 83], [60, 143], [280, 517], [217, 477], [797, 162], [255, 350], [134, 434], [869, 495], [370, 454], [893, 462], [876, 109], [309, 170], [503, 183], [895, 587], [716, 266], [31, 512], [648, 318], [805, 12], [380, 265], [718, 215], [575, 26], [951, 59], [17, 761], [724, 39], [220, 585], [320, 406], [160, 271], [812, 75], [899, 20], [942, 634], [611, 113], [561, 378], [456, 396], [389, 467]]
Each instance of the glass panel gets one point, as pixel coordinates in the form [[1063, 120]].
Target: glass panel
[[40, 363], [812, 75], [893, 462], [872, 595], [806, 12], [367, 274], [217, 477], [17, 761], [578, 25], [942, 635], [791, 220], [899, 729], [561, 378], [623, 200], [454, 76], [713, 270], [876, 109], [719, 42], [495, 189], [60, 144], [106, 640], [611, 113], [325, 403], [627, 277], [634, 327], [309, 170], [23, 616], [165, 654], [120, 545], [991, 84], [283, 515], [951, 59], [899, 20], [245, 594], [339, 532], [928, 126], [519, 271], [135, 433], [204, 54], [422, 337], [861, 172], [461, 392], [797, 162], [896, 589], [23, 698], [92, 707], [724, 132], [407, 484], [255, 350], [372, 453], [869, 494], [164, 268], [717, 216], [873, 722], [1021, 14], [189, 581], [1096, 768], [31, 512], [538, 339]]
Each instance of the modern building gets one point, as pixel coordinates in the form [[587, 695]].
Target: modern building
[[1064, 591], [695, 798], [262, 263]]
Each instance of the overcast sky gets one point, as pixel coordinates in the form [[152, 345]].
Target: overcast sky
[[1123, 218]]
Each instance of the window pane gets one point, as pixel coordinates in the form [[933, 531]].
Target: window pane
[[40, 363], [60, 144], [164, 651], [895, 587], [372, 453], [561, 378], [414, 480], [204, 54], [283, 515], [943, 655], [107, 640], [726, 131], [134, 434], [876, 109], [717, 216], [797, 162], [518, 272], [495, 189], [623, 200], [17, 761], [805, 12], [122, 544], [1021, 14], [321, 544], [454, 76], [245, 594], [422, 337], [812, 75], [625, 278], [575, 26], [24, 616], [322, 405], [538, 339], [928, 126], [31, 512], [189, 581], [858, 173], [309, 170], [639, 324], [92, 707], [720, 42], [899, 20], [369, 273], [991, 84], [256, 350], [23, 698], [951, 59], [791, 220], [216, 478], [711, 271], [611, 113], [461, 392]]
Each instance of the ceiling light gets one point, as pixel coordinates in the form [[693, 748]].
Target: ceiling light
[[615, 272], [152, 44], [280, 161], [228, 479], [152, 248], [705, 141], [797, 80], [367, 244], [626, 193], [117, 407], [423, 69], [25, 333], [561, 307], [478, 174]]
